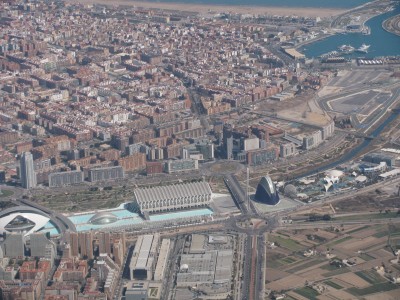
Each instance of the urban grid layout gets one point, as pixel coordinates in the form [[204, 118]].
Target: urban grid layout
[[152, 150]]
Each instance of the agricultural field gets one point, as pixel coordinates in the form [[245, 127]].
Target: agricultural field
[[352, 262]]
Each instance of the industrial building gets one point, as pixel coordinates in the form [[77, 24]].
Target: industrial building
[[143, 290], [293, 53], [312, 140], [266, 191], [207, 265], [249, 144], [287, 150], [65, 178], [328, 130], [377, 158], [108, 173], [211, 267], [172, 197], [162, 261], [137, 291], [143, 258]]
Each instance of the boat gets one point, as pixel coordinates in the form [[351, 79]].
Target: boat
[[330, 54], [364, 48], [366, 31], [347, 49]]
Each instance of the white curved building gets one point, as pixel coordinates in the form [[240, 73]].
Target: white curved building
[[26, 222], [173, 197], [379, 168]]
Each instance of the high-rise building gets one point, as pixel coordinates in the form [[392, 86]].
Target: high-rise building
[[41, 246], [104, 243], [13, 245], [118, 252], [85, 240], [72, 238], [27, 171], [228, 141]]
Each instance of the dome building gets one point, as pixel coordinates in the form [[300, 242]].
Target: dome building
[[266, 191], [103, 218]]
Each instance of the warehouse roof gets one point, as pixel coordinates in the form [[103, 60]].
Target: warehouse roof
[[172, 191]]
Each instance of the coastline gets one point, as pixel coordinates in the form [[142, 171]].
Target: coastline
[[207, 9], [384, 25], [388, 25]]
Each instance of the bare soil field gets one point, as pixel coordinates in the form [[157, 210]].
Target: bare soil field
[[353, 279]]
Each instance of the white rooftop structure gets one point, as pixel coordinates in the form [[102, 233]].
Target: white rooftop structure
[[390, 173], [379, 168], [334, 173], [173, 197], [361, 178], [142, 262], [23, 222]]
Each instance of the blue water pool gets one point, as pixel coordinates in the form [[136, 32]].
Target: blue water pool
[[182, 214]]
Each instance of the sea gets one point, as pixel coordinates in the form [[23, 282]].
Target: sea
[[277, 3], [382, 43]]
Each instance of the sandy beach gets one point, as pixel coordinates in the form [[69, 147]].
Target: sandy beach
[[205, 9]]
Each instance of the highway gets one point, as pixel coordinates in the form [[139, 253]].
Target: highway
[[239, 196], [306, 225], [246, 275], [253, 269], [64, 222]]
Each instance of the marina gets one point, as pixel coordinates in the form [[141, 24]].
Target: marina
[[378, 43]]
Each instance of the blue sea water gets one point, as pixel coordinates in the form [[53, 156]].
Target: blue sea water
[[277, 3], [382, 42]]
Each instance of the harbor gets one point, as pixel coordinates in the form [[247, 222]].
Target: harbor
[[372, 43]]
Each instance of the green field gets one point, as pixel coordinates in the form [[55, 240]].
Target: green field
[[307, 292], [333, 284], [275, 261], [329, 267], [358, 229], [371, 276], [380, 234], [366, 257], [286, 243], [306, 265], [288, 260], [368, 216], [394, 231], [6, 193], [380, 287]]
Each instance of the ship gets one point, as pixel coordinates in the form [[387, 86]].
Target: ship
[[364, 48], [366, 31], [346, 49], [329, 54]]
